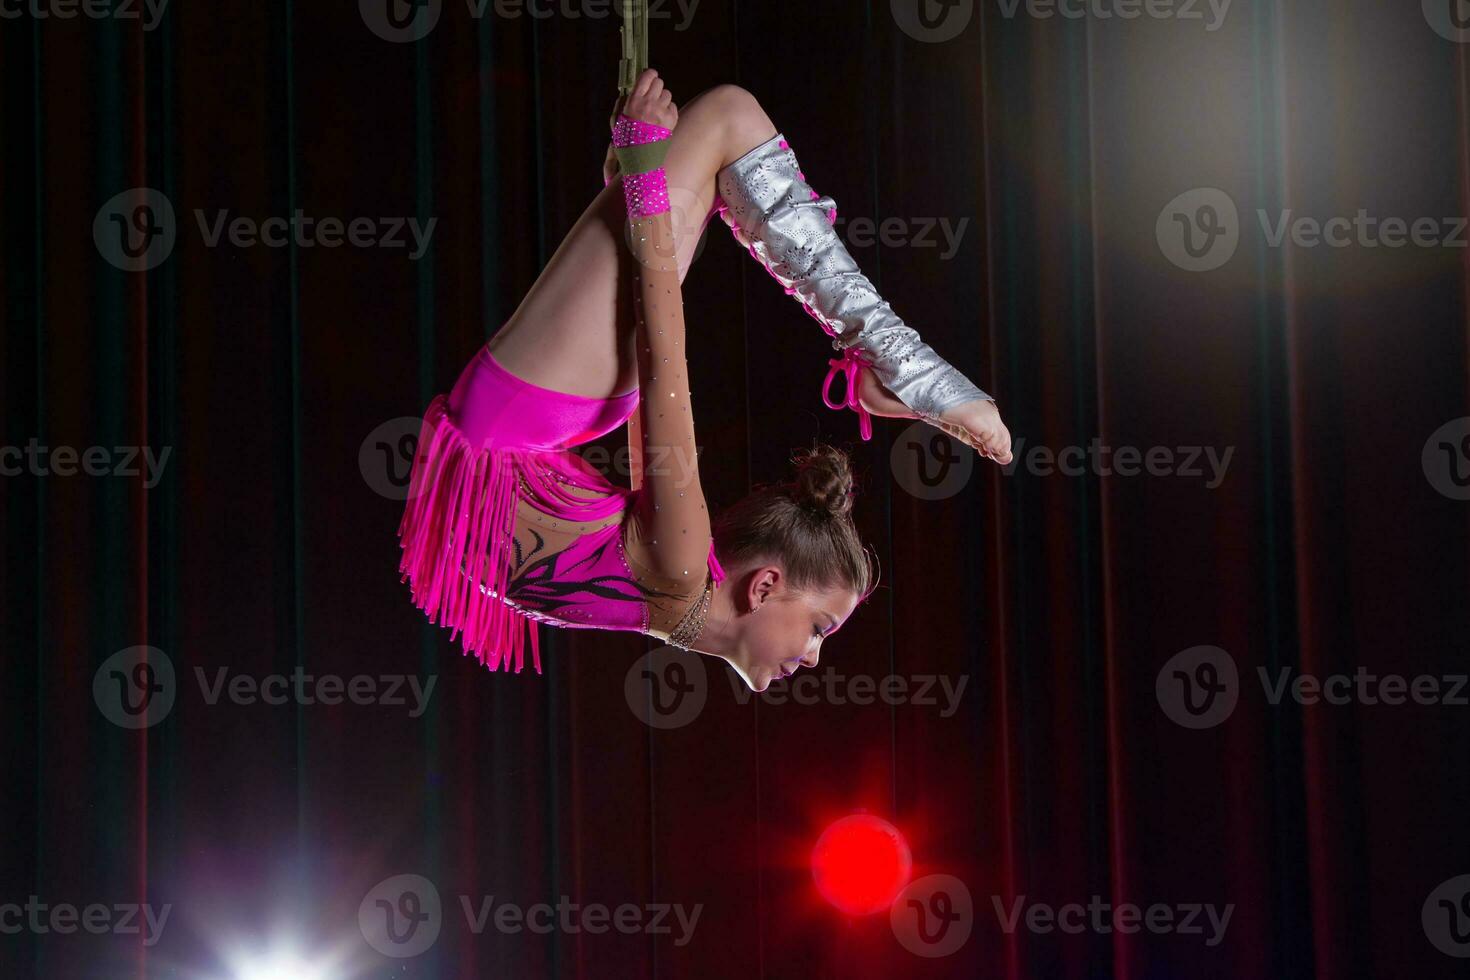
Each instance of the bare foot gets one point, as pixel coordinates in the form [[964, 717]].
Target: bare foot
[[977, 423]]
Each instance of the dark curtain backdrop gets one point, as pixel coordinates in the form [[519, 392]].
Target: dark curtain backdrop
[[267, 544]]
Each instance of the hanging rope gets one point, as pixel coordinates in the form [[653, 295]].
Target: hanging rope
[[635, 44]]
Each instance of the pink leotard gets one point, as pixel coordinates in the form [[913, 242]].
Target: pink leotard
[[497, 446]]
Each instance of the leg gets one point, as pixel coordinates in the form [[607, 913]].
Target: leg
[[573, 331], [788, 227]]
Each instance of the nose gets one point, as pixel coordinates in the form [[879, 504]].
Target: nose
[[811, 659]]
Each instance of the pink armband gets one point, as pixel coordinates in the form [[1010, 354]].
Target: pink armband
[[645, 183]]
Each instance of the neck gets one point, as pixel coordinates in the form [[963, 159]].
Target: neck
[[717, 639]]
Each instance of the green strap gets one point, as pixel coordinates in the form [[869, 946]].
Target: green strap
[[645, 157], [635, 43], [642, 158]]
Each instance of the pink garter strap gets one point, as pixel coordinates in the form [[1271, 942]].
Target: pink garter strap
[[851, 363]]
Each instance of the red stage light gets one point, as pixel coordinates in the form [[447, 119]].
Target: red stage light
[[861, 863]]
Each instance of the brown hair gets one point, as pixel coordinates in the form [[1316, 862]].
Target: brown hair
[[804, 524]]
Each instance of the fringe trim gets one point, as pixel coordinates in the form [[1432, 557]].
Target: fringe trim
[[459, 522]]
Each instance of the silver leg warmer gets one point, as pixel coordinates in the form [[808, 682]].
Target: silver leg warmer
[[789, 229]]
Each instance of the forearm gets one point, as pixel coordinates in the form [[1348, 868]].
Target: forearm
[[672, 501], [670, 531]]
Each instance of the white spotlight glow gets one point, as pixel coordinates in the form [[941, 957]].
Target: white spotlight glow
[[279, 966]]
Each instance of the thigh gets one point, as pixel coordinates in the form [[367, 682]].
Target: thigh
[[573, 331]]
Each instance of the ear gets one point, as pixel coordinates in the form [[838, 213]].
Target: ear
[[762, 583]]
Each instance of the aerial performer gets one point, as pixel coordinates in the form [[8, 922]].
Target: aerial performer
[[506, 527]]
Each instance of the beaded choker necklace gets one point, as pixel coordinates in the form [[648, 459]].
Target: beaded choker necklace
[[687, 631]]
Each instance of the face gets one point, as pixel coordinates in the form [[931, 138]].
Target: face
[[779, 630]]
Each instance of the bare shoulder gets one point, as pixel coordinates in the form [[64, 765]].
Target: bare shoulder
[[670, 595]]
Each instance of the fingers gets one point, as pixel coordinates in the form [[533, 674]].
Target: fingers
[[647, 83]]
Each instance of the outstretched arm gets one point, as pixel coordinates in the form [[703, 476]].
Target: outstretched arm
[[669, 528]]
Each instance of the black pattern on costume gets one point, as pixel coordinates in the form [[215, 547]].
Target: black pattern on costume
[[554, 584]]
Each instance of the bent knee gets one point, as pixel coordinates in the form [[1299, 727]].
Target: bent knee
[[731, 103]]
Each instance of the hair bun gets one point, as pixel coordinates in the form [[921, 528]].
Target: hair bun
[[823, 482]]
